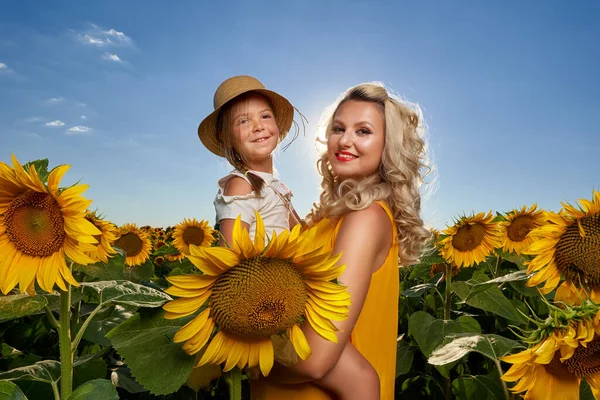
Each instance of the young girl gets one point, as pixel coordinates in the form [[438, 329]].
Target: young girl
[[246, 127], [370, 212]]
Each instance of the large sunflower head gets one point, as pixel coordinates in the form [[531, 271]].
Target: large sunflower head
[[39, 226], [470, 240], [569, 245], [189, 232], [559, 361], [134, 243], [517, 226], [107, 237], [252, 293]]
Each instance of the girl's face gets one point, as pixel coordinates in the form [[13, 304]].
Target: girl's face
[[255, 131], [355, 143]]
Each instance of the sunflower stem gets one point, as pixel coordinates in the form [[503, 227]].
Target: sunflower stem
[[51, 318], [504, 387], [64, 334], [55, 390], [448, 292], [84, 327], [235, 384]]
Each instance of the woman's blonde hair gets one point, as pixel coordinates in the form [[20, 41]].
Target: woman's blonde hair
[[398, 180]]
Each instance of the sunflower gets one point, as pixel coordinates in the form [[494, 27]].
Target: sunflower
[[558, 363], [175, 257], [254, 293], [568, 245], [135, 243], [470, 240], [39, 226], [517, 226], [190, 231], [105, 240]]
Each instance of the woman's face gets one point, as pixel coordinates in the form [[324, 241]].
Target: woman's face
[[355, 143], [255, 131]]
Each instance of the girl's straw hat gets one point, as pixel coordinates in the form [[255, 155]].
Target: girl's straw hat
[[229, 90]]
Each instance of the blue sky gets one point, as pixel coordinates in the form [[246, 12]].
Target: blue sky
[[510, 93]]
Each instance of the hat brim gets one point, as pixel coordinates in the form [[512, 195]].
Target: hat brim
[[282, 108]]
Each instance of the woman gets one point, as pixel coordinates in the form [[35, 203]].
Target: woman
[[369, 210]]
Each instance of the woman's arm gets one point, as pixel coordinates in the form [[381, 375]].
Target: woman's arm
[[364, 239], [352, 377]]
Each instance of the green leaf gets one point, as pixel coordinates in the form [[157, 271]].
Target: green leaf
[[10, 391], [41, 167], [121, 377], [491, 299], [139, 273], [44, 371], [125, 292], [491, 346], [429, 332], [103, 323], [113, 270], [145, 342], [93, 390], [10, 352], [585, 392], [20, 305], [404, 358], [511, 257], [511, 277], [479, 387], [418, 290], [88, 368], [53, 299]]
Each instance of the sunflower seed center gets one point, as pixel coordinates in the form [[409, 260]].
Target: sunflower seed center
[[586, 360], [130, 243], [577, 256], [34, 224], [258, 298], [468, 237], [519, 228], [193, 235]]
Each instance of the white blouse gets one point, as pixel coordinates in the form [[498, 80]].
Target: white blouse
[[269, 205]]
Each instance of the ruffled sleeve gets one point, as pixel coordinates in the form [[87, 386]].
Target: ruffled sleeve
[[229, 207]]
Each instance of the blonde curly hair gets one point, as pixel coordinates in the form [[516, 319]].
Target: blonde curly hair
[[398, 179]]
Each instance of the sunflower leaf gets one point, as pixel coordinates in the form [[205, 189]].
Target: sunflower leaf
[[145, 341], [10, 391], [104, 322], [404, 358], [429, 332], [491, 299], [125, 293], [478, 387], [491, 346], [44, 371], [41, 167], [417, 290], [479, 287], [20, 305], [95, 389]]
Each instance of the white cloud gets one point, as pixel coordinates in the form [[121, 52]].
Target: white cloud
[[83, 117], [55, 123], [95, 36], [3, 66], [78, 129], [111, 57], [4, 69], [54, 100]]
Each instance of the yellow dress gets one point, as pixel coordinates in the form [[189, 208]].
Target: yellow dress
[[374, 334]]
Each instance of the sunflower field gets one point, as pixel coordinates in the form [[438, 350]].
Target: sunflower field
[[502, 305]]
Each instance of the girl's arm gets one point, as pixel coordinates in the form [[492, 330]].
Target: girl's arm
[[236, 186], [364, 239], [352, 377]]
